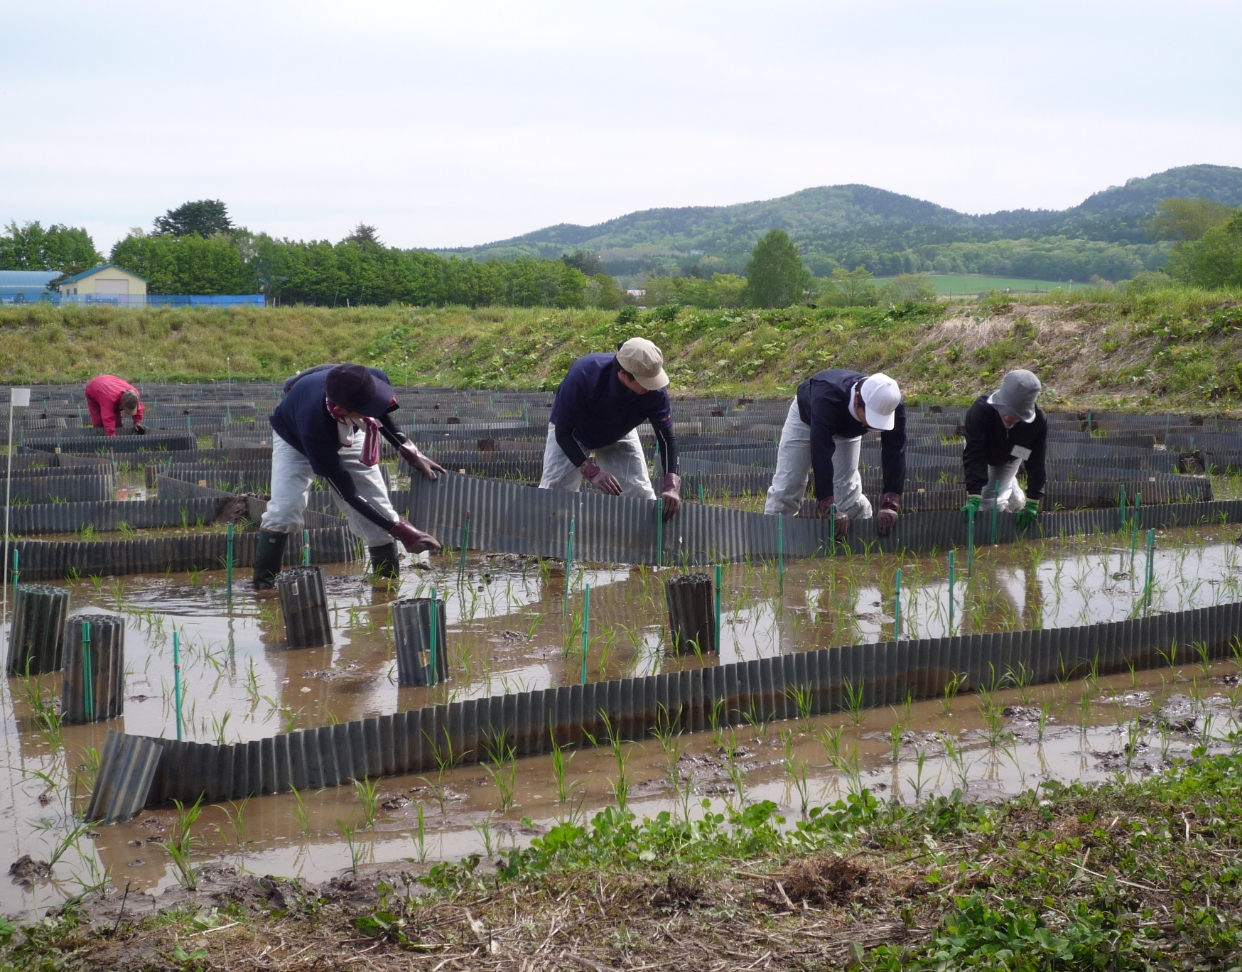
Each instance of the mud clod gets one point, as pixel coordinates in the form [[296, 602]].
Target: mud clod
[[26, 870], [820, 881]]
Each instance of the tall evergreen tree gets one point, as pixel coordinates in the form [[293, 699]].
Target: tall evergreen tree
[[775, 276]]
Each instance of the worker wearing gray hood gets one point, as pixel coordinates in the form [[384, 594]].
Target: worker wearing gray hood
[[1004, 430]]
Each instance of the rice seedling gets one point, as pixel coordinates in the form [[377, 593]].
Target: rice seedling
[[854, 701], [917, 782], [797, 770], [236, 819], [502, 769], [484, 829], [349, 830], [951, 688], [368, 796], [419, 836], [181, 843], [300, 812]]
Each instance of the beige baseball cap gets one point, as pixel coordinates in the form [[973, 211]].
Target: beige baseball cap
[[642, 359]]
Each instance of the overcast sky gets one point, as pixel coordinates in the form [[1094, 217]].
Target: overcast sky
[[455, 123]]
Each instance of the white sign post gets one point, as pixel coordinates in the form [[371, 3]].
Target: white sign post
[[18, 398]]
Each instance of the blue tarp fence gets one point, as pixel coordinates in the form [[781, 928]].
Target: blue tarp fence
[[139, 300]]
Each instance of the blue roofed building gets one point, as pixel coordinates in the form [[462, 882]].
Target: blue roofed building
[[26, 286]]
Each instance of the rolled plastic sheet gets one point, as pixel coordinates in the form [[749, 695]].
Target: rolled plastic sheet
[[691, 613], [411, 630], [37, 629], [93, 693], [304, 604]]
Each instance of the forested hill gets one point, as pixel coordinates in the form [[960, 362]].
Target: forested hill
[[891, 233]]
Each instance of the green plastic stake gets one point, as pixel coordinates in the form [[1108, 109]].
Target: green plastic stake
[[306, 548], [176, 679], [660, 531], [1138, 499], [717, 639], [88, 676], [1123, 506], [465, 542], [952, 558], [586, 627], [970, 544], [228, 565], [832, 529], [702, 501], [995, 513], [16, 572], [1151, 570], [897, 608], [431, 653], [569, 568], [780, 548]]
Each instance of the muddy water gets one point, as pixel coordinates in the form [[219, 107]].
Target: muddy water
[[512, 627]]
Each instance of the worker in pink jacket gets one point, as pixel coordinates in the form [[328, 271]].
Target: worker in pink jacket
[[109, 398]]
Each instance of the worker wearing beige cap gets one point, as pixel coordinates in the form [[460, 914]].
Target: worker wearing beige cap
[[823, 431], [598, 408]]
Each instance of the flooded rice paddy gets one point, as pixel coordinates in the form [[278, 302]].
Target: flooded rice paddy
[[513, 625]]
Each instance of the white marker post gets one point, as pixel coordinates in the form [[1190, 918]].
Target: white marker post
[[18, 398]]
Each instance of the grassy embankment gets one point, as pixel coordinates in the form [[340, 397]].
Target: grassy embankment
[[1177, 348], [1125, 876]]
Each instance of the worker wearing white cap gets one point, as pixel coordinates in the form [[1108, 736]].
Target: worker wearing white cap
[[1004, 430], [598, 408], [824, 430]]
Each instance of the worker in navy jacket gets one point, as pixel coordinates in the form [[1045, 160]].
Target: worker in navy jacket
[[823, 431], [328, 424], [598, 408], [1004, 430]]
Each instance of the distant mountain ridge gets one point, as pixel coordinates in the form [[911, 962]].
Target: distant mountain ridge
[[834, 225]]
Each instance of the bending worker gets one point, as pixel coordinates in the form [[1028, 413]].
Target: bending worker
[[599, 407], [328, 424], [824, 430], [109, 399], [1003, 430]]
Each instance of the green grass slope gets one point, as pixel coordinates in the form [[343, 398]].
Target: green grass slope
[[1178, 348]]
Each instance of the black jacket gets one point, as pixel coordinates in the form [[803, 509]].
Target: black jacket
[[825, 404], [990, 443]]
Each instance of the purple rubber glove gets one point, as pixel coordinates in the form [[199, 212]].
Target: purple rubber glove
[[416, 460], [886, 519], [604, 482], [413, 539], [670, 492]]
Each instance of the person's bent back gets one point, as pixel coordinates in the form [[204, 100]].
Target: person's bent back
[[109, 399]]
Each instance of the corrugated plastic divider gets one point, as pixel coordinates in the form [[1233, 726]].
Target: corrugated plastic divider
[[37, 630], [127, 768], [110, 514], [515, 519], [58, 559], [691, 613], [694, 700]]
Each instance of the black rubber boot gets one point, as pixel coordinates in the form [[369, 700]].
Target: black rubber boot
[[385, 562], [268, 554]]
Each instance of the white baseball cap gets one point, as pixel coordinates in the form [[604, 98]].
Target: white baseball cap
[[880, 396], [642, 359]]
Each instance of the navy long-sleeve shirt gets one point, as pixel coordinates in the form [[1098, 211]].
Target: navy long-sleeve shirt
[[990, 443], [593, 409], [302, 420], [826, 404]]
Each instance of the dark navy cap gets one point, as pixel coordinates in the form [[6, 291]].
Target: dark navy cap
[[353, 387]]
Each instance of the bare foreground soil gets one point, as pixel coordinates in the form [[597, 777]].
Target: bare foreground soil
[[1128, 875]]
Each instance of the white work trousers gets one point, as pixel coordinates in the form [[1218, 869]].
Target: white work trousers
[[624, 459], [292, 477], [793, 469], [1003, 489]]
